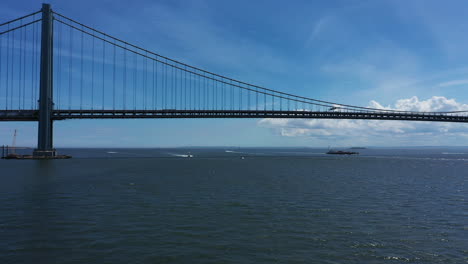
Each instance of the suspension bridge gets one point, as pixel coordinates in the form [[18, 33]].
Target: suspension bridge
[[53, 67]]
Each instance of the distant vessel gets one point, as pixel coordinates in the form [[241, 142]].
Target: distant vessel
[[340, 152]]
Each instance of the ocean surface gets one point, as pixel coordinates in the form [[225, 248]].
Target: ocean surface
[[236, 205]]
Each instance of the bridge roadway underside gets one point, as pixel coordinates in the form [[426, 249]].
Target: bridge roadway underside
[[33, 115]]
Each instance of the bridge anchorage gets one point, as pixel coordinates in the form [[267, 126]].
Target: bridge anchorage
[[55, 68]]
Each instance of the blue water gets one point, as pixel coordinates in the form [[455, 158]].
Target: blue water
[[232, 205]]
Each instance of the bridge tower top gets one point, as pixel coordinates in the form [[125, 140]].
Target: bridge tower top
[[45, 134]]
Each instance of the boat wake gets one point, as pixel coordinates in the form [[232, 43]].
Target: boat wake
[[181, 155]]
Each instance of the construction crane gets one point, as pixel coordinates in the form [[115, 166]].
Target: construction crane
[[13, 145]]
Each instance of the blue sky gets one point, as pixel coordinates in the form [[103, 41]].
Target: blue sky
[[395, 53]]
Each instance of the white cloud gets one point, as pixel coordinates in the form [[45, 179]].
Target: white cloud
[[434, 104], [317, 29], [453, 83], [374, 132]]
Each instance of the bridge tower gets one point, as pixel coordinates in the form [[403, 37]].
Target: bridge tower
[[46, 104]]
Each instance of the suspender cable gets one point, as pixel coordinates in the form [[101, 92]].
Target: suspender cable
[[59, 65], [81, 72], [163, 86], [239, 84], [215, 94], [202, 91], [192, 91], [7, 85], [36, 67], [172, 89], [134, 80], [33, 62], [220, 98], [33, 55], [1, 64], [12, 83], [165, 97], [177, 89], [145, 86], [171, 105], [20, 70], [1, 61], [154, 87], [248, 100], [24, 68], [181, 91], [103, 71], [205, 94], [185, 90], [281, 104], [176, 85], [273, 103], [92, 73], [281, 95], [70, 65], [113, 77], [124, 91], [240, 100], [190, 94], [256, 98], [199, 93], [189, 90], [145, 82], [156, 91]]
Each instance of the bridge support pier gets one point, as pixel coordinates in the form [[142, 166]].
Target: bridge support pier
[[45, 130]]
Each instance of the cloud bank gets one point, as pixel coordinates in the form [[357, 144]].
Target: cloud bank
[[376, 132]]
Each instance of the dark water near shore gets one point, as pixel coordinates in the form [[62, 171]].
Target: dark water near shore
[[272, 206]]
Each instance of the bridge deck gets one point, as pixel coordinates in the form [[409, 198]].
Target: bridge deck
[[32, 115]]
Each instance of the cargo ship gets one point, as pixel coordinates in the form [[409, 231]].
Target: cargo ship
[[340, 152]]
